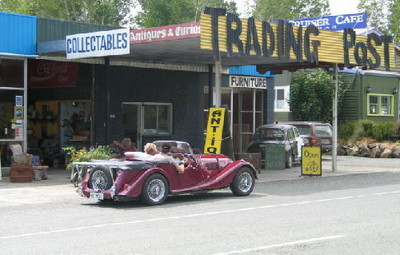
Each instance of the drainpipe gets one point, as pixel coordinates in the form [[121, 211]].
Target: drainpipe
[[334, 117]]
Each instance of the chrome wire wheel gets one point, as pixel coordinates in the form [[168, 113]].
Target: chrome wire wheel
[[245, 182], [100, 179], [156, 190]]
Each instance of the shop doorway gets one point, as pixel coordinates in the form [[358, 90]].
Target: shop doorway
[[246, 111], [131, 121], [146, 120]]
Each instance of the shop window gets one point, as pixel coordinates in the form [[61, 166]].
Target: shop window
[[11, 114], [281, 94], [380, 104], [157, 119], [11, 73]]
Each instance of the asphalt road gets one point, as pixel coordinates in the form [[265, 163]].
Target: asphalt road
[[357, 213]]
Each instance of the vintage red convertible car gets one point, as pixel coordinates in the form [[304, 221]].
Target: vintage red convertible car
[[153, 181]]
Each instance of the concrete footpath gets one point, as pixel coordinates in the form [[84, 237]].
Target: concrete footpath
[[345, 165]]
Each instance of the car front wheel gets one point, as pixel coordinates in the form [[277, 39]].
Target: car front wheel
[[155, 190], [243, 183]]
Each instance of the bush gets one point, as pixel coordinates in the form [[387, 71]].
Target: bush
[[380, 131], [84, 155], [384, 131]]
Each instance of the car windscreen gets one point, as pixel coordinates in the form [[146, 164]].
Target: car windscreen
[[269, 134], [304, 129], [323, 131]]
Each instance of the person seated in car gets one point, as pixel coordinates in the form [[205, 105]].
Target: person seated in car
[[150, 149], [164, 155], [125, 145]]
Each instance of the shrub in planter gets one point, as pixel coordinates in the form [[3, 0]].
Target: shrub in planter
[[84, 155]]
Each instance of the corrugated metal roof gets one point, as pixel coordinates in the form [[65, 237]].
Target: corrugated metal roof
[[17, 34], [54, 29], [248, 70]]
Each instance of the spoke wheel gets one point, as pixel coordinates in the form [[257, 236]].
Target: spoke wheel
[[155, 190], [243, 183], [101, 179]]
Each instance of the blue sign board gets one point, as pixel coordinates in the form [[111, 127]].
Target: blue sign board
[[334, 23]]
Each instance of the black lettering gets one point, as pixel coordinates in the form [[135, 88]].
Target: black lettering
[[292, 43], [252, 38], [212, 150], [268, 36], [373, 37], [215, 12], [233, 34], [281, 39], [362, 61], [311, 56], [217, 113], [348, 44], [386, 39]]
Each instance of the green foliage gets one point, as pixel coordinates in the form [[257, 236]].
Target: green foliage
[[394, 21], [105, 12], [384, 15], [311, 96], [84, 155], [380, 131], [290, 9], [157, 13], [384, 131]]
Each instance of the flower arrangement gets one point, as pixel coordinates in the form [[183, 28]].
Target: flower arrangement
[[85, 155]]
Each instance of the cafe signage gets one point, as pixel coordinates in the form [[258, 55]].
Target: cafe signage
[[226, 33]]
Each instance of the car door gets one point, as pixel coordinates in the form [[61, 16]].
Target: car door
[[194, 174], [293, 142]]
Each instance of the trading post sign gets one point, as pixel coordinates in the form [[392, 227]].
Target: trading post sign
[[224, 32]]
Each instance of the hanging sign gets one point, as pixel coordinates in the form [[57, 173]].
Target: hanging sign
[[215, 126], [97, 44], [311, 160], [334, 23], [236, 81]]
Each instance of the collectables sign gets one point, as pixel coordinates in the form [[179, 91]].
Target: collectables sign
[[98, 44]]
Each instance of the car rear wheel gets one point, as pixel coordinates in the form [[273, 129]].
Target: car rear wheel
[[155, 190], [289, 160], [243, 183], [100, 178]]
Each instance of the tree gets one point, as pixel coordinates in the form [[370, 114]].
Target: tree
[[311, 96], [157, 13], [290, 9], [103, 12], [394, 21], [377, 12]]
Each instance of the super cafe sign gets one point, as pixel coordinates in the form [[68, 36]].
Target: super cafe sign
[[97, 44], [225, 32]]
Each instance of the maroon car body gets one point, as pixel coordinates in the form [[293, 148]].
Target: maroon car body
[[153, 181]]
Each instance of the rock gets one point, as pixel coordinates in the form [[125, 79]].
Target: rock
[[341, 150], [375, 152], [386, 153], [396, 152], [363, 150]]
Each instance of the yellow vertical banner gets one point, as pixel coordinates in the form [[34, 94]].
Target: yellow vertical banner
[[215, 126]]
